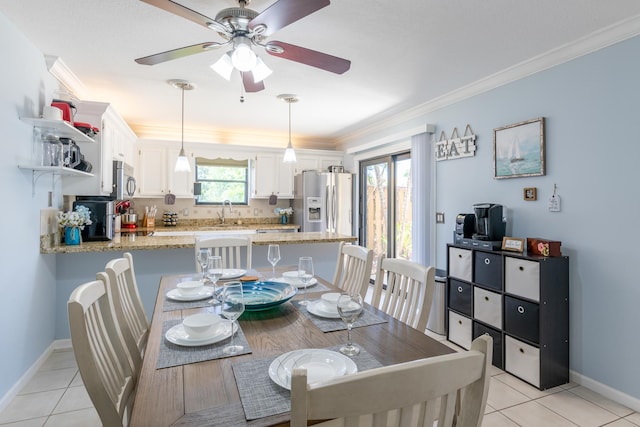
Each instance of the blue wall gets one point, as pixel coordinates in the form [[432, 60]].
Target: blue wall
[[593, 155]]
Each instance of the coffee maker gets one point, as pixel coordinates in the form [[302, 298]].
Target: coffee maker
[[489, 223]]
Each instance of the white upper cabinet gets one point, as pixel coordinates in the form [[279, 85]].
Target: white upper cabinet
[[318, 161], [271, 176], [156, 174], [114, 140]]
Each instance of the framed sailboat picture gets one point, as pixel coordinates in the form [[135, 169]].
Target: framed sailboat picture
[[518, 149]]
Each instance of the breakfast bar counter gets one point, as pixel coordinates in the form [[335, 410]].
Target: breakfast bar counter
[[146, 240]]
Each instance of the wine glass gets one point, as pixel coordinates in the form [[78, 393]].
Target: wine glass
[[349, 308], [213, 271], [305, 274], [273, 256], [203, 255], [232, 308]]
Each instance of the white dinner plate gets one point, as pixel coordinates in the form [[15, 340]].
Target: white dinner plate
[[177, 335], [297, 284], [316, 307], [175, 294], [232, 273], [321, 365]]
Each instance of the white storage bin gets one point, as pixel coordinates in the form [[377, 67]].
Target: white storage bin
[[487, 307], [460, 330], [522, 277], [460, 263], [522, 360]]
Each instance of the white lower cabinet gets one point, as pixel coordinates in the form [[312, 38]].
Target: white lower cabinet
[[156, 175], [522, 360]]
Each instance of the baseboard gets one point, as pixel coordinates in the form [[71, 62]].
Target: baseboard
[[24, 379], [606, 391]]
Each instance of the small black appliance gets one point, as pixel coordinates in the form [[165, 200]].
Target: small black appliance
[[465, 226], [102, 217], [489, 222]]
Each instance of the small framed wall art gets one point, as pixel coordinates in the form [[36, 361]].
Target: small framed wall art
[[530, 194], [512, 244], [518, 150]]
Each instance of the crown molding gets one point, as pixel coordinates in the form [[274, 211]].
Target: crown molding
[[593, 42], [65, 76]]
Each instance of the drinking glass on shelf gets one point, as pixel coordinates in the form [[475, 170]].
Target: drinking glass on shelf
[[305, 274], [213, 270], [232, 308], [203, 255], [349, 309], [273, 256]]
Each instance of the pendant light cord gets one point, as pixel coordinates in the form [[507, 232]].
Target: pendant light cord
[[289, 123], [182, 137]]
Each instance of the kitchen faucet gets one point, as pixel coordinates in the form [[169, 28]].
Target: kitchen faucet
[[221, 215]]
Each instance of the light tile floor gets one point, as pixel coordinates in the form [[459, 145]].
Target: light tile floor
[[56, 397]]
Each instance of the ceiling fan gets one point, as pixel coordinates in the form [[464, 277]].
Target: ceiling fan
[[242, 27]]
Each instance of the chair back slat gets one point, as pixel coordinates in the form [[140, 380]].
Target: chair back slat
[[404, 289], [230, 249], [100, 352], [130, 314], [450, 390], [353, 269]]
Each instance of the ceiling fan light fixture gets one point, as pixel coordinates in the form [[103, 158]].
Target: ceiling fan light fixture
[[260, 71], [223, 66], [243, 58]]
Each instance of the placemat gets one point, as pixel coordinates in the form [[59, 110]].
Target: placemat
[[330, 325], [261, 397], [175, 355]]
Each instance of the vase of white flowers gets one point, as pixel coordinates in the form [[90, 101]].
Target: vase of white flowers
[[284, 214], [73, 222]]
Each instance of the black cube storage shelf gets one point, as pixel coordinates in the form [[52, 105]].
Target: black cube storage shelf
[[521, 301]]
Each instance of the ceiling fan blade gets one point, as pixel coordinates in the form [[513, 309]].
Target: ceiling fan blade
[[177, 53], [284, 12], [249, 84], [308, 57], [178, 9]]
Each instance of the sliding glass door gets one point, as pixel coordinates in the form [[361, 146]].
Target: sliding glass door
[[385, 205]]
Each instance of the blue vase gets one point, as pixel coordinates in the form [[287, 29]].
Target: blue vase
[[284, 219], [71, 236]]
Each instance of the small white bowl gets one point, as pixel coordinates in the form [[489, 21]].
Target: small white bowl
[[330, 301], [292, 277], [191, 287], [199, 325]]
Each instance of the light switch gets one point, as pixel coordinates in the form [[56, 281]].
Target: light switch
[[439, 217]]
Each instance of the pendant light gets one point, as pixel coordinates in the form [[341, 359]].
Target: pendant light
[[289, 154], [182, 163]]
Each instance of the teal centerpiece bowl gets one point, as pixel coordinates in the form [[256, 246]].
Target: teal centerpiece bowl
[[265, 295]]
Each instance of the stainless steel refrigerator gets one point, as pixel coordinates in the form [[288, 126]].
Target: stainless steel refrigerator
[[323, 201]]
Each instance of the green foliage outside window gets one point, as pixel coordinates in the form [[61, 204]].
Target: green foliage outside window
[[222, 179]]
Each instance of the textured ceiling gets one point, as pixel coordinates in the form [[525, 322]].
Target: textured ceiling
[[403, 54]]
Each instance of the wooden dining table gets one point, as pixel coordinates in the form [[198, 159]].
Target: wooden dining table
[[206, 394]]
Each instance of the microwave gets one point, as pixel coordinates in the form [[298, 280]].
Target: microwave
[[124, 184], [102, 215]]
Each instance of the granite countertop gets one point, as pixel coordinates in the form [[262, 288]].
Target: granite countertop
[[142, 239]]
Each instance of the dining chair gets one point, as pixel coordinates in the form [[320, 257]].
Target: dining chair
[[353, 270], [451, 389], [229, 248], [123, 290], [404, 289], [100, 352]]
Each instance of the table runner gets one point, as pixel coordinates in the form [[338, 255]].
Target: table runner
[[175, 355], [261, 397], [330, 325]]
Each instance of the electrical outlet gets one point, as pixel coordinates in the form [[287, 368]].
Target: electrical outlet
[[439, 217]]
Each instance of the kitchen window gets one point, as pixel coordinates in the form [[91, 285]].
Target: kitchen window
[[222, 179]]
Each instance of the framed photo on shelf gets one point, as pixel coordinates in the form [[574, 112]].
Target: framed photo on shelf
[[518, 150], [512, 244]]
